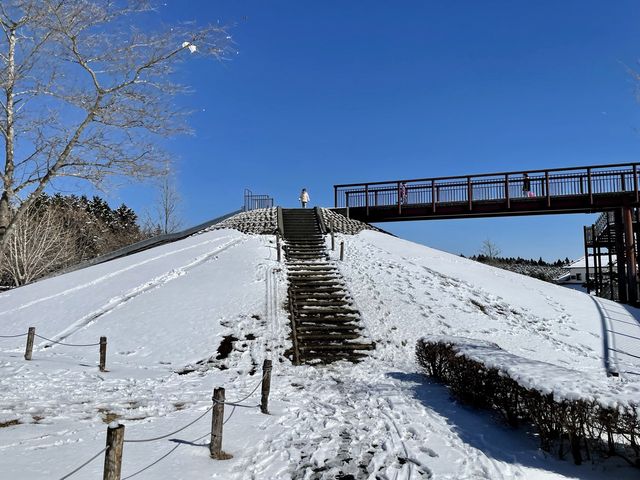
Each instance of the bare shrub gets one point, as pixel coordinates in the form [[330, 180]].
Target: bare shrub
[[38, 245]]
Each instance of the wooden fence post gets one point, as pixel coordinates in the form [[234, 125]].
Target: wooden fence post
[[217, 420], [113, 455], [30, 338], [103, 354], [342, 251], [333, 238], [266, 386]]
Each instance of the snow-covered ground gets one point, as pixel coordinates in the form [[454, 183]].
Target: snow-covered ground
[[165, 313]]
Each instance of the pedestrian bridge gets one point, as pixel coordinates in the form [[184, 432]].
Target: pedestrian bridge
[[559, 190]]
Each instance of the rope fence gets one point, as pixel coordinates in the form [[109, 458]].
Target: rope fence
[[68, 344], [238, 403], [32, 335], [153, 439], [14, 336], [85, 463], [115, 432]]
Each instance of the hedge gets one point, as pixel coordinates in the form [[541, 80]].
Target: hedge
[[596, 422]]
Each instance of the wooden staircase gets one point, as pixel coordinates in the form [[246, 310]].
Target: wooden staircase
[[325, 326]]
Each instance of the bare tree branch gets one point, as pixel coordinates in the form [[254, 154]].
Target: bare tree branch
[[86, 94]]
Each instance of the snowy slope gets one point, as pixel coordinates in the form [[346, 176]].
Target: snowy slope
[[166, 310], [453, 295]]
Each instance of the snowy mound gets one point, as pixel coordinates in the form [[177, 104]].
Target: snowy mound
[[260, 221], [205, 311], [342, 224], [265, 221]]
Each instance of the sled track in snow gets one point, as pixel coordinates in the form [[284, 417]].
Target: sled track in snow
[[276, 341], [140, 290], [108, 276]]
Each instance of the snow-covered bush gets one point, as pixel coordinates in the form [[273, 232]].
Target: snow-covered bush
[[565, 406]]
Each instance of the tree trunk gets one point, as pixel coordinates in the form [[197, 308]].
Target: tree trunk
[[4, 216], [9, 137]]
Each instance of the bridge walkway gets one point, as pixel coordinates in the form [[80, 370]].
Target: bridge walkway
[[568, 190]]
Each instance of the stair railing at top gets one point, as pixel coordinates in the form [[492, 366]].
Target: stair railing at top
[[254, 202]]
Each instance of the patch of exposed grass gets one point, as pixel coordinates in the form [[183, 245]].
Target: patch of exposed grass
[[10, 423]]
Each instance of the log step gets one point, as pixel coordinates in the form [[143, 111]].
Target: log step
[[342, 346], [324, 337], [310, 327]]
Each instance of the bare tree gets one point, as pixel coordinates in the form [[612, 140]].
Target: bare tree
[[165, 217], [490, 249], [85, 94], [38, 244]]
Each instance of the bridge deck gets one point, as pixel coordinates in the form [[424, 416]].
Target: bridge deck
[[567, 190]]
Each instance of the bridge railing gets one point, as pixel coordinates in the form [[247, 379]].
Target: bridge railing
[[493, 187]]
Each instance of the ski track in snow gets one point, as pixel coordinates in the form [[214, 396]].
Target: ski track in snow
[[108, 276], [157, 282]]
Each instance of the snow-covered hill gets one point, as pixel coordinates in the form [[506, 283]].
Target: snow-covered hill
[[167, 310]]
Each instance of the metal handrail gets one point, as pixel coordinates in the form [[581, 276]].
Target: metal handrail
[[495, 174], [573, 181], [254, 202]]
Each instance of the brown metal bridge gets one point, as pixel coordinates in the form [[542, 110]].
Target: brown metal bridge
[[590, 189]]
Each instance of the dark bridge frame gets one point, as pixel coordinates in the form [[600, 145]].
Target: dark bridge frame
[[595, 188], [558, 190]]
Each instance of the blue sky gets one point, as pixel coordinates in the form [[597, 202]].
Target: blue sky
[[336, 92]]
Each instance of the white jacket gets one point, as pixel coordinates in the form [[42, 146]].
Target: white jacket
[[304, 197]]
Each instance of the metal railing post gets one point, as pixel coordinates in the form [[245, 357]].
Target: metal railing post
[[506, 190], [548, 189], [635, 181], [366, 198], [433, 196]]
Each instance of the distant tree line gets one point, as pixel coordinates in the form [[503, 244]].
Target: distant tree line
[[519, 261], [62, 230], [540, 269]]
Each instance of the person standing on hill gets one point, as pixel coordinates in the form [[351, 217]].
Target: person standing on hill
[[304, 198]]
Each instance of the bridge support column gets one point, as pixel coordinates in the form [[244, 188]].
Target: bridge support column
[[620, 256], [586, 260], [630, 256]]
